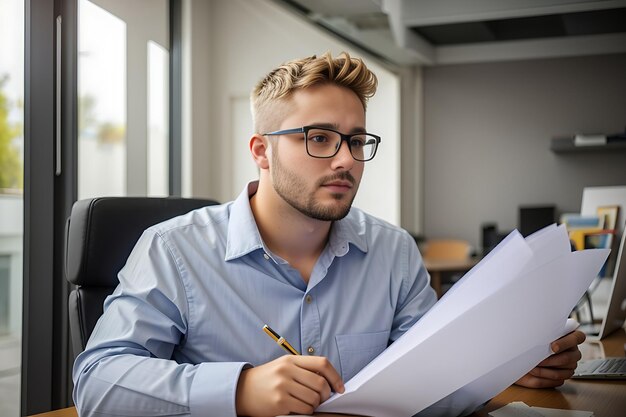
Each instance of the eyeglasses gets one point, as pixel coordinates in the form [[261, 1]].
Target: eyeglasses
[[322, 142]]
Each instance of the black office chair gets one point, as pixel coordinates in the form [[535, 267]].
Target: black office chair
[[100, 234]]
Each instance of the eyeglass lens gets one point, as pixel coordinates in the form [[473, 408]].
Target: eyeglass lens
[[325, 143]]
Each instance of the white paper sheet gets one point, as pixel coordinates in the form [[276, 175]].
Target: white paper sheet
[[555, 412], [520, 409], [451, 306], [495, 326], [516, 409]]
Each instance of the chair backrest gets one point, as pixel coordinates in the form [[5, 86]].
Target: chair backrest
[[100, 234], [446, 250]]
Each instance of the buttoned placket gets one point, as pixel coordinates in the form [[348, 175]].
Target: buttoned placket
[[310, 322]]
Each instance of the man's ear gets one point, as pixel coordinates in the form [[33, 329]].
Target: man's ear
[[259, 148]]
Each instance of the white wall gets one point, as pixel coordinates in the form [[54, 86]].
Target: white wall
[[487, 138], [236, 42]]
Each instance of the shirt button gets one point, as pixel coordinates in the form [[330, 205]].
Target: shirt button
[[308, 299], [266, 256], [310, 350]]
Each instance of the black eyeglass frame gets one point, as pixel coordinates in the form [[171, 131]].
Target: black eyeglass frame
[[344, 137]]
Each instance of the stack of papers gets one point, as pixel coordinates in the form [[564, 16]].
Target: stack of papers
[[489, 329]]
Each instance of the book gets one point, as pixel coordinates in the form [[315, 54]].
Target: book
[[576, 221]]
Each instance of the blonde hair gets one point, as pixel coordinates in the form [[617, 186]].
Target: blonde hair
[[274, 90]]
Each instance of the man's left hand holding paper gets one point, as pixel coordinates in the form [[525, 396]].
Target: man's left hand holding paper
[[554, 370]]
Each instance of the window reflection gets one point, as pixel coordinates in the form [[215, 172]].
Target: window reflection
[[158, 118], [101, 102], [11, 201]]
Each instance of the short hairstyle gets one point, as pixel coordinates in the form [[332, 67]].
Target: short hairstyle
[[277, 87]]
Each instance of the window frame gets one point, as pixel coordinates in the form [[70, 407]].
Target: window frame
[[50, 189]]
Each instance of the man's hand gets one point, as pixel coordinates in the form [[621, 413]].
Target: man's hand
[[289, 384], [554, 370]]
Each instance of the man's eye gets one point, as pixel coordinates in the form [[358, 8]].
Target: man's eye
[[357, 142], [318, 139]]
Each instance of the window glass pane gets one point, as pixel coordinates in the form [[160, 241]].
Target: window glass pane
[[101, 102], [11, 201], [158, 120], [123, 93]]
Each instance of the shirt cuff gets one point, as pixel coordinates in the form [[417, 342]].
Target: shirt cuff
[[213, 389]]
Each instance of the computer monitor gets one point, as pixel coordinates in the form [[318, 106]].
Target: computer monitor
[[533, 218]]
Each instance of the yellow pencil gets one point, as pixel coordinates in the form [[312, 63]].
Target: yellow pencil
[[280, 340]]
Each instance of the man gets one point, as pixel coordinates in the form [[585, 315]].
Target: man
[[182, 333]]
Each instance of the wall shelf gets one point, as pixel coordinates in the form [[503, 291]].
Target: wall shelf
[[566, 145]]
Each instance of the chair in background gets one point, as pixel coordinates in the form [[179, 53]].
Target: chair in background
[[100, 234], [446, 250], [446, 256]]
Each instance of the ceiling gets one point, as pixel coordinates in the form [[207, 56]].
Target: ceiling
[[434, 32]]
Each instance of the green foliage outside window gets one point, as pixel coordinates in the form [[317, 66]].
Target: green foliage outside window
[[11, 170]]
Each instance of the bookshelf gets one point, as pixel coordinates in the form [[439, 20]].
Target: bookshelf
[[566, 145]]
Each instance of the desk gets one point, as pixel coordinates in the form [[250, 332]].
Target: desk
[[71, 412], [64, 412], [436, 267], [604, 398]]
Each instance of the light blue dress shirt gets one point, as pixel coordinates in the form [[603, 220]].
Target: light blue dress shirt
[[196, 291]]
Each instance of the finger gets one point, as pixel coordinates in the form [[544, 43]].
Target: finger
[[301, 407], [323, 367], [315, 382], [568, 341], [531, 381], [305, 395], [296, 406], [566, 359], [554, 374]]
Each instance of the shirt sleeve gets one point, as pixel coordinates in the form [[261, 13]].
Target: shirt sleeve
[[127, 366], [416, 295]]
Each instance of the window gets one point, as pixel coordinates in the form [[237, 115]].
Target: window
[[11, 201], [101, 102], [158, 115], [123, 94], [86, 101]]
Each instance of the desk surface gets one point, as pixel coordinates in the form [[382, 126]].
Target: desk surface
[[604, 398], [439, 265]]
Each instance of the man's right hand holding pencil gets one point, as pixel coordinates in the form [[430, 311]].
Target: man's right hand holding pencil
[[289, 384]]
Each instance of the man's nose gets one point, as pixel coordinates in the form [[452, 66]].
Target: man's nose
[[343, 158]]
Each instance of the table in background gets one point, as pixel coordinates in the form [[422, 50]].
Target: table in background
[[604, 398], [436, 267], [64, 412]]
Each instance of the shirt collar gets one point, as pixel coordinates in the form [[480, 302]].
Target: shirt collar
[[348, 231], [243, 233], [244, 236]]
